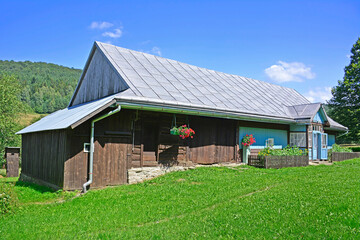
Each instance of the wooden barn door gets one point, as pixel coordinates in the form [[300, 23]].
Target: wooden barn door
[[110, 161]]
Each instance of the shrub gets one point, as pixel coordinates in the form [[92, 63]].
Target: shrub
[[355, 149], [338, 148], [8, 198], [2, 162], [287, 151]]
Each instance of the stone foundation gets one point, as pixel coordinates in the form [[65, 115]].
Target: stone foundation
[[137, 175]]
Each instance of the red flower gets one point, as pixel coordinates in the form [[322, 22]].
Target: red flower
[[248, 140]]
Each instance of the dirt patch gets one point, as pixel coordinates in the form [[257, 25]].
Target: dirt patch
[[196, 183], [181, 180]]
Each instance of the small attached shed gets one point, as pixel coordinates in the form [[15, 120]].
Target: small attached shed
[[126, 102]]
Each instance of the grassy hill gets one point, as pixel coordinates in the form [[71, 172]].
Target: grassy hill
[[46, 87], [315, 202]]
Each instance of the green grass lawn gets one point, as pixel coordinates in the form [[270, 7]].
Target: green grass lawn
[[315, 202]]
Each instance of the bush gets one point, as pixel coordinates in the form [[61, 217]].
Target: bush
[[338, 148], [8, 198], [287, 151], [355, 149], [2, 162]]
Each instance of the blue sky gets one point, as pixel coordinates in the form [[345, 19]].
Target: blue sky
[[299, 44]]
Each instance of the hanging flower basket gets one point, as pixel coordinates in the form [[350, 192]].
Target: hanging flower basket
[[248, 140], [183, 132]]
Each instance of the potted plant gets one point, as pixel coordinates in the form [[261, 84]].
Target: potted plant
[[247, 141], [183, 132]]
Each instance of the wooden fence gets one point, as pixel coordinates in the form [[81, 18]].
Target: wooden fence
[[341, 156], [279, 161]]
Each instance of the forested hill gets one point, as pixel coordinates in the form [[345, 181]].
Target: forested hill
[[47, 87]]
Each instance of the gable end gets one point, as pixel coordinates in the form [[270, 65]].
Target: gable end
[[99, 79]]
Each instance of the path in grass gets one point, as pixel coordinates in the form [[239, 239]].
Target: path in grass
[[310, 202]]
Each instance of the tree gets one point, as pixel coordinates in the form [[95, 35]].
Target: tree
[[10, 107], [345, 103]]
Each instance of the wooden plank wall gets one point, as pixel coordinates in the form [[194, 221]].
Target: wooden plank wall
[[100, 80], [112, 146], [110, 161], [172, 150], [214, 140], [76, 165], [58, 157], [44, 154]]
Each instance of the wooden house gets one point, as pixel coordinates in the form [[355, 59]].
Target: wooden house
[[126, 102]]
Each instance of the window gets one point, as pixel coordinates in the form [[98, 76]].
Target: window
[[317, 128], [298, 139], [86, 147], [324, 141], [270, 142]]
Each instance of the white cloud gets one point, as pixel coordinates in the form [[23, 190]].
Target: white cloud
[[289, 72], [115, 34], [156, 50], [319, 94], [100, 25]]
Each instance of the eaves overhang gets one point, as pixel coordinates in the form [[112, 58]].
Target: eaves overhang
[[200, 111]]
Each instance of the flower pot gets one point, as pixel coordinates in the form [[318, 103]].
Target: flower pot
[[246, 153]]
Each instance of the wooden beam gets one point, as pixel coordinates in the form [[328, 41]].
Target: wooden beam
[[141, 155], [236, 142]]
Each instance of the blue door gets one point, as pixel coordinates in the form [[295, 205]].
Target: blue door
[[315, 146], [319, 150], [324, 140]]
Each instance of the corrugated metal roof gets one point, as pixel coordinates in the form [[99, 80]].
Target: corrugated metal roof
[[69, 116], [304, 110], [308, 111], [154, 77], [335, 125], [156, 80]]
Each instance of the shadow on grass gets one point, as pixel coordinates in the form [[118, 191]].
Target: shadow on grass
[[38, 188]]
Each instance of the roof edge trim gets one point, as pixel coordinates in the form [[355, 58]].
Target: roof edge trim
[[90, 115], [200, 112]]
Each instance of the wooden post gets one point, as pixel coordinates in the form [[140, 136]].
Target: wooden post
[[236, 157], [141, 155], [12, 155]]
